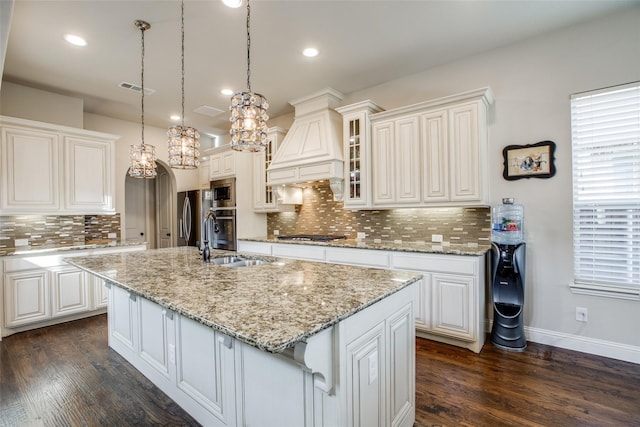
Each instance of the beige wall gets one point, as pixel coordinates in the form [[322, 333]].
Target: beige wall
[[39, 105], [532, 82]]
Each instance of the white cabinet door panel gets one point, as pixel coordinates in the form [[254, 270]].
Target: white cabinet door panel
[[261, 248], [453, 311], [382, 154], [435, 156], [465, 153], [365, 359], [26, 297], [401, 339], [89, 177], [69, 293], [23, 153], [407, 168], [123, 319], [205, 373], [154, 347]]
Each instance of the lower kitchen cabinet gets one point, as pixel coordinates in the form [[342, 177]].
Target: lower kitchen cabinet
[[69, 291], [359, 372], [42, 290], [26, 296], [449, 302]]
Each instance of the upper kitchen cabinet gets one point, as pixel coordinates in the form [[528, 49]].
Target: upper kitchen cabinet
[[431, 153], [356, 137], [55, 169], [222, 163], [266, 198]]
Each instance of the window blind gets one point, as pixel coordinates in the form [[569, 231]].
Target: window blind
[[605, 128]]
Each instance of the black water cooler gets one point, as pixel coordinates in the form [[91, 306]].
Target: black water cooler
[[508, 276]]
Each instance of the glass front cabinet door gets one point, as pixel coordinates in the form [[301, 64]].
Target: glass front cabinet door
[[357, 153]]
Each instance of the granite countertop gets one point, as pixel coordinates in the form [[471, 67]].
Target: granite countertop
[[271, 306], [400, 246], [96, 244]]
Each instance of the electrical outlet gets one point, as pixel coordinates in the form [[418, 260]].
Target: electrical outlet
[[22, 242], [581, 314], [112, 235], [172, 354], [436, 238], [360, 235], [276, 232]]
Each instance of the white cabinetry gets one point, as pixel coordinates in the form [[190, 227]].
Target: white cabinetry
[[26, 296], [396, 161], [204, 174], [451, 297], [55, 169], [266, 198], [426, 154], [356, 136], [358, 372], [42, 290], [449, 301], [88, 177], [222, 164], [69, 291]]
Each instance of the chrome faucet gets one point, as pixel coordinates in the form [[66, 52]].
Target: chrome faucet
[[206, 250]]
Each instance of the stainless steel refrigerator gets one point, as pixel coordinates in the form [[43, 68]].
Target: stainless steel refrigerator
[[192, 207]]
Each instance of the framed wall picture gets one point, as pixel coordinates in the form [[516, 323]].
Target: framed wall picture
[[529, 161]]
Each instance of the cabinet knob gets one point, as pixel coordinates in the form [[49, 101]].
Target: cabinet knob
[[168, 234], [142, 234]]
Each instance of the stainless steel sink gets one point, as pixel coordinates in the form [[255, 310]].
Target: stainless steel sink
[[246, 263], [228, 259], [237, 261]]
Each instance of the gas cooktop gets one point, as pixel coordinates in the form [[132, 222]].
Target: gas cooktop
[[312, 237]]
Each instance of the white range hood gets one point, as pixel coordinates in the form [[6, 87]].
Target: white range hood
[[312, 149]]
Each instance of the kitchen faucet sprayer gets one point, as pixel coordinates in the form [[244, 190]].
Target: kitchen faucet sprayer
[[206, 250]]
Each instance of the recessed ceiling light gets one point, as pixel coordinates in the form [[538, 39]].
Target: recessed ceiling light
[[75, 40], [175, 117], [232, 3], [226, 92], [310, 52]]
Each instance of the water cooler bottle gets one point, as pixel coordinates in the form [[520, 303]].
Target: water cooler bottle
[[508, 275]]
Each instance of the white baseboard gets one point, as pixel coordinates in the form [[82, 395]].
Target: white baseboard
[[614, 350]]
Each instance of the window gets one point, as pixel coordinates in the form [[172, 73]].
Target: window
[[606, 191]]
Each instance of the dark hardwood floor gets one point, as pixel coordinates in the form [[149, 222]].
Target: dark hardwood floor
[[65, 375]]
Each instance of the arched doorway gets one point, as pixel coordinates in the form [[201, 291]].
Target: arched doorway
[[149, 210]]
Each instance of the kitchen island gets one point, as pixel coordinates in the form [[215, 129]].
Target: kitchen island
[[285, 343]]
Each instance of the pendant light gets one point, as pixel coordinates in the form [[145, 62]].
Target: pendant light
[[143, 157], [183, 141], [248, 111]]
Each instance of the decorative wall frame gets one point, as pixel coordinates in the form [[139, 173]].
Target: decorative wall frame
[[529, 161]]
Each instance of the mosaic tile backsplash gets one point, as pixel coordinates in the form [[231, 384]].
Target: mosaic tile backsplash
[[319, 214], [51, 231]]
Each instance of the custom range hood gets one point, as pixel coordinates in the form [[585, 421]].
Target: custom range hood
[[312, 149]]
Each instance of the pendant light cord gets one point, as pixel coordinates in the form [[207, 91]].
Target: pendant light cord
[[182, 58], [142, 29], [248, 48]]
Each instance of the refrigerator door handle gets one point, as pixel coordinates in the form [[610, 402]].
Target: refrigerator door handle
[[181, 228], [186, 218]]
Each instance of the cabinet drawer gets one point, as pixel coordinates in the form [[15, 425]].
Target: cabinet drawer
[[312, 253], [368, 258], [254, 247], [436, 263]]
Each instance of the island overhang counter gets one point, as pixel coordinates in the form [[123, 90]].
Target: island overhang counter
[[287, 342]]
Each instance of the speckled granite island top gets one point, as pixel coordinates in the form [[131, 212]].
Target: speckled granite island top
[[271, 306], [418, 247]]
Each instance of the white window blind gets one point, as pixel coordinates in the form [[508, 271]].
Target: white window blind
[[606, 191]]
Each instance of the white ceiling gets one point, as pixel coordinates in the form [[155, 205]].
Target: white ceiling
[[361, 43]]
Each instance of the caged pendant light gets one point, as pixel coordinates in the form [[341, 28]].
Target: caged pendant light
[[248, 111], [183, 141], [143, 157]]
